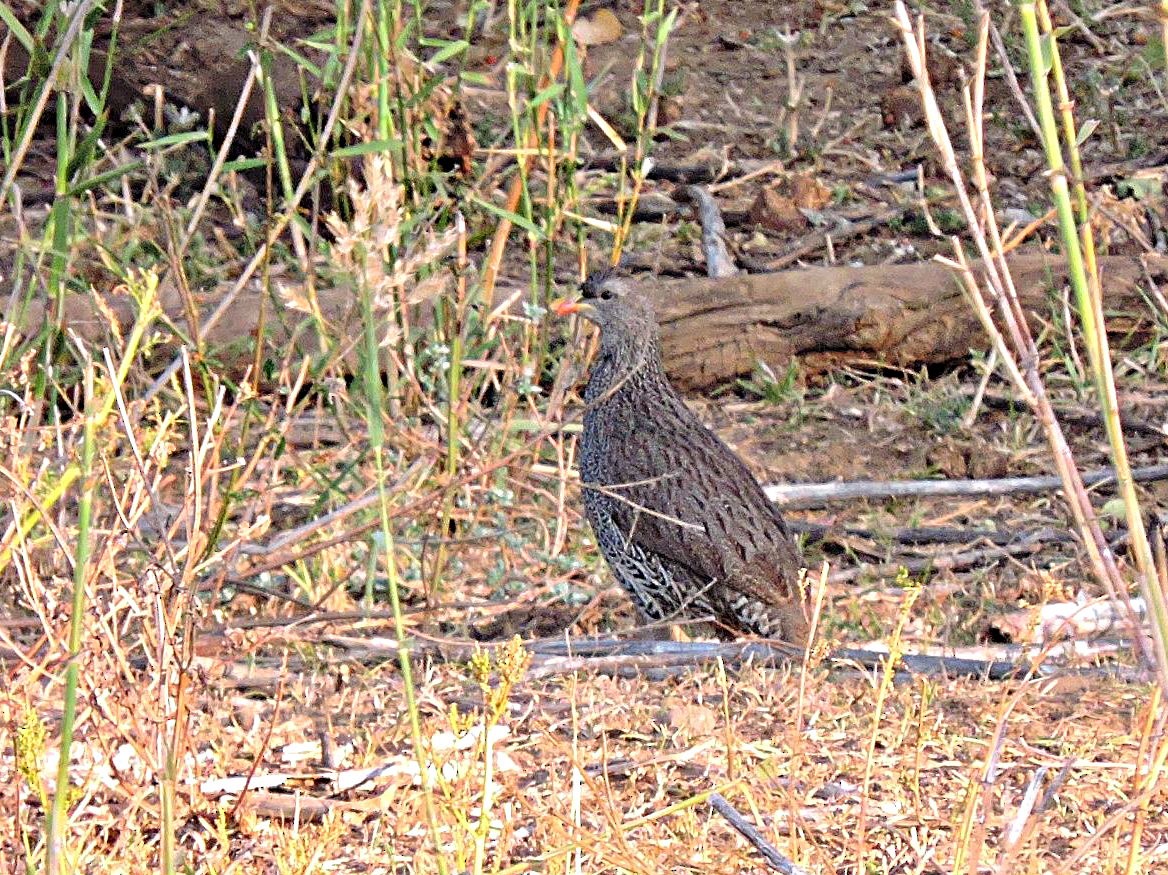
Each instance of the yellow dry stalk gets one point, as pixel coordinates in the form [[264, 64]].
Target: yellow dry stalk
[[142, 286]]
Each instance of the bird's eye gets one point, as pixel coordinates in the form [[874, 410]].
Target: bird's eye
[[606, 295]]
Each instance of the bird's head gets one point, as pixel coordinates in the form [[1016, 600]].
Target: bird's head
[[622, 312]]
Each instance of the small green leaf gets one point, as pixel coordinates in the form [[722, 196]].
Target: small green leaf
[[1085, 130], [666, 26], [102, 178], [1045, 45], [91, 99], [367, 148], [244, 164], [18, 29], [575, 70], [1114, 509], [452, 48], [300, 61], [180, 139], [553, 90], [516, 219], [472, 77], [323, 38]]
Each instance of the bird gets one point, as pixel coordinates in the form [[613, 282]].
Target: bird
[[684, 526]]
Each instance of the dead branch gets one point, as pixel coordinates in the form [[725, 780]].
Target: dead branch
[[923, 535], [713, 330], [799, 496], [718, 261], [774, 858]]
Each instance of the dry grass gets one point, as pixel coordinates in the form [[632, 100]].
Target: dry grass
[[234, 535], [617, 770], [612, 772]]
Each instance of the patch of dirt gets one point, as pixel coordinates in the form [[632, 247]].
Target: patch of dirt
[[727, 74], [608, 772], [740, 79], [727, 87]]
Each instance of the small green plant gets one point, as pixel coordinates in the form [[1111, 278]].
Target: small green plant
[[966, 10], [949, 221], [765, 385], [940, 410], [842, 194], [1137, 147], [780, 144]]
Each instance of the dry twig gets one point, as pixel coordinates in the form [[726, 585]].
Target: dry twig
[[799, 496], [774, 858]]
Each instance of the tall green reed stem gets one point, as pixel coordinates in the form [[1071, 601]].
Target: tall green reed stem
[[656, 26], [56, 826], [371, 374], [1078, 244]]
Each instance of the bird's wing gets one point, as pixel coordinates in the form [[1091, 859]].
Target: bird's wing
[[686, 497], [682, 495]]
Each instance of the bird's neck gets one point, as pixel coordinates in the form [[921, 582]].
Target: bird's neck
[[622, 368]]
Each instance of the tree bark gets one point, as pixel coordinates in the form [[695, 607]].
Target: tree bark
[[713, 331]]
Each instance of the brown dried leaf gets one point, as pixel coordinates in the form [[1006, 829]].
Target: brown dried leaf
[[808, 192], [601, 28], [693, 719], [776, 212]]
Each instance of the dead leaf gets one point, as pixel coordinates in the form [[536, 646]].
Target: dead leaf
[[808, 192], [776, 212], [694, 720], [601, 28]]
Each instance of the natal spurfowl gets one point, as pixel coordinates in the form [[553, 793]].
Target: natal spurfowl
[[681, 521]]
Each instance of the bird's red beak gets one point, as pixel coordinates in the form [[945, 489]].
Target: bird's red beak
[[565, 307]]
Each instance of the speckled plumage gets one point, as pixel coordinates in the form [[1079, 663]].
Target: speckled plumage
[[683, 524]]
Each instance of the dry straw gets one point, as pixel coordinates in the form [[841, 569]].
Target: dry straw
[[996, 303]]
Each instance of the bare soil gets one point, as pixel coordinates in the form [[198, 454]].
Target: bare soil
[[592, 762]]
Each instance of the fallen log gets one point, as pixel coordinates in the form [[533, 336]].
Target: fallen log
[[712, 330], [905, 316]]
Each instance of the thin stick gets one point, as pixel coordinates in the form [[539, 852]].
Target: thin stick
[[814, 240], [774, 858], [975, 405], [805, 495], [945, 562], [1012, 81], [718, 260]]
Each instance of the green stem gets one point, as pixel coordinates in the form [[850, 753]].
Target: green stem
[[56, 824], [375, 401], [1090, 311], [276, 126]]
